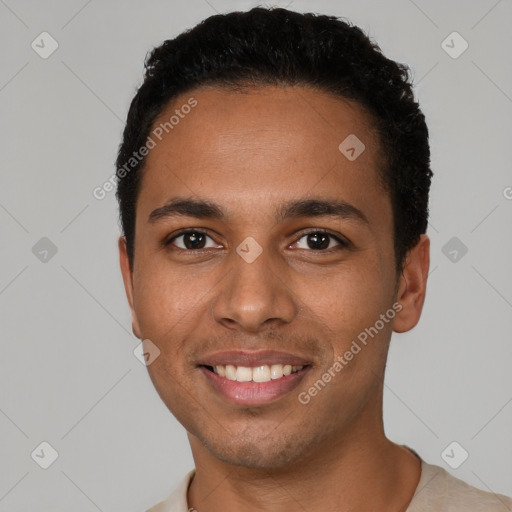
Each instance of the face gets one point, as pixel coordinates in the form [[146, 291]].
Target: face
[[261, 249]]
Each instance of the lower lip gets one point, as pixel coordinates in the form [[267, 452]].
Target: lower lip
[[254, 393]]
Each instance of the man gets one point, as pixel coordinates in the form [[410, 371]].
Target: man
[[273, 183]]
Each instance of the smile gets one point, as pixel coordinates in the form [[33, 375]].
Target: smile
[[263, 373], [253, 385]]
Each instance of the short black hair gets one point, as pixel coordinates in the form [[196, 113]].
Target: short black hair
[[275, 46]]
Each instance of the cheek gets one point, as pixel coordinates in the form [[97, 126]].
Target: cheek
[[165, 301], [348, 301], [345, 295]]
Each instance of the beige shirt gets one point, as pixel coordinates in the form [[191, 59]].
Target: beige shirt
[[437, 491]]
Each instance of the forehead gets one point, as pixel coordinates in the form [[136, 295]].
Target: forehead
[[257, 146]]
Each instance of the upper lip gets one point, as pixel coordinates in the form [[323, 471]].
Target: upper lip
[[253, 358]]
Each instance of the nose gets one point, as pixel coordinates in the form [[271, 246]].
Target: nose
[[254, 295]]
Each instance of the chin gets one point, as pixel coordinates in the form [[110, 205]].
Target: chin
[[270, 452]]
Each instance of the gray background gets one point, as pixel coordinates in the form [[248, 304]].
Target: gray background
[[68, 373]]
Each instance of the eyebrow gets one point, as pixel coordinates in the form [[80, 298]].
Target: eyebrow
[[201, 209]]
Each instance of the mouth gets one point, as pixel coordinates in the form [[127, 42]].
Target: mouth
[[246, 379], [263, 373]]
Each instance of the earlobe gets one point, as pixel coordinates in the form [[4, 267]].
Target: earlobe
[[127, 274], [412, 286]]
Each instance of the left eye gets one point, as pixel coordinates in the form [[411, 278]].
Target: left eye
[[318, 240]]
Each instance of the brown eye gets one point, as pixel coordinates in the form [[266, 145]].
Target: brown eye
[[191, 240], [319, 241]]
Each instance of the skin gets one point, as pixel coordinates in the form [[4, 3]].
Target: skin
[[249, 153]]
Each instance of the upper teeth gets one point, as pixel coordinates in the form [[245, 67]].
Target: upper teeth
[[263, 373]]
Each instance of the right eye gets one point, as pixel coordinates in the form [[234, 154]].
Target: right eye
[[191, 240]]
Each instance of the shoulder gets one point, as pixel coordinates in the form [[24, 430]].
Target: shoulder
[[440, 491], [177, 501]]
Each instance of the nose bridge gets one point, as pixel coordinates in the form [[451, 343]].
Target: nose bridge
[[255, 290]]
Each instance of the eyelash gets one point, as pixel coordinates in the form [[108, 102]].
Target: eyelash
[[342, 243]]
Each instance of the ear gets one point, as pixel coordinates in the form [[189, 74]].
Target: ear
[[128, 282], [412, 286]]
